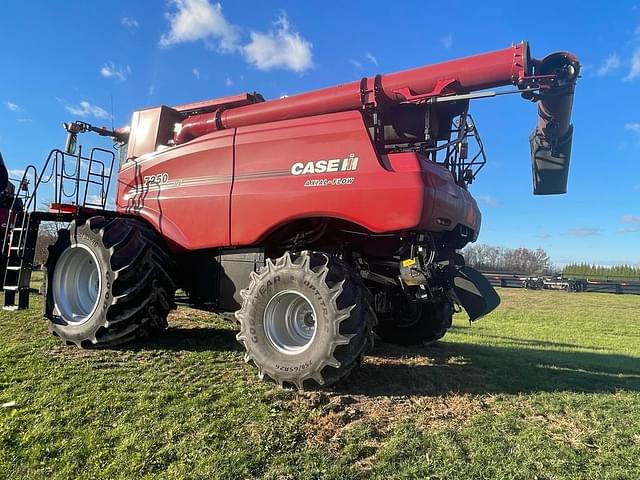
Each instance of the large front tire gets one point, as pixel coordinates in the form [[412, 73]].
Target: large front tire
[[305, 318], [108, 281]]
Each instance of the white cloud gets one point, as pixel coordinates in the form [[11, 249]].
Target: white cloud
[[634, 70], [110, 70], [16, 173], [631, 219], [282, 48], [196, 20], [228, 81], [201, 20], [489, 201], [13, 107], [129, 22], [196, 73], [632, 127], [25, 120], [624, 231], [85, 109], [447, 40], [584, 232], [611, 63], [368, 56]]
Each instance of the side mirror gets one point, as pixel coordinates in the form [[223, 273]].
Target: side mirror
[[72, 140]]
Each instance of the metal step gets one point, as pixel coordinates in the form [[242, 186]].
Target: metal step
[[20, 250]]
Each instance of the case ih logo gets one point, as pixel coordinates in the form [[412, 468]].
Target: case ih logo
[[326, 166]]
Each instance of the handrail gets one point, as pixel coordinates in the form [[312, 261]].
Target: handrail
[[55, 167]]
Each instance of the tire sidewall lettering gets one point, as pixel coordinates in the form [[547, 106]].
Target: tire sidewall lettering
[[308, 284]]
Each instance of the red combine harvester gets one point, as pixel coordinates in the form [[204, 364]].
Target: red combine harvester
[[316, 219]]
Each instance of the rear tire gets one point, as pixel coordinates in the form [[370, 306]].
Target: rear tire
[[414, 323], [306, 317], [108, 281]]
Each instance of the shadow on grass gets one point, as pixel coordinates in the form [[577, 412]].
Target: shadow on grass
[[528, 342], [470, 368], [448, 367], [197, 339]]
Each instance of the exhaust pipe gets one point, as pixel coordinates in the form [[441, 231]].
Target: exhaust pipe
[[551, 139]]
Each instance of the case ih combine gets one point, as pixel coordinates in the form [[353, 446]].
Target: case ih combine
[[316, 218]]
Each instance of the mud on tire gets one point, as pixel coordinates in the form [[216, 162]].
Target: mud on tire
[[332, 308], [131, 282]]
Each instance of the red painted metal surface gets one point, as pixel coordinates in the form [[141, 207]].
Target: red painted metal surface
[[202, 202], [185, 191], [488, 70], [237, 173], [231, 101]]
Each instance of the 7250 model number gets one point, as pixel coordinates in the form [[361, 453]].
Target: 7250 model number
[[157, 179]]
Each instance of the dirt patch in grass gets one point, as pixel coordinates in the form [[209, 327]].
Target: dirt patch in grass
[[185, 316], [334, 414], [338, 413]]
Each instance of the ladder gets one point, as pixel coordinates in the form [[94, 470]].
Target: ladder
[[23, 224], [21, 247]]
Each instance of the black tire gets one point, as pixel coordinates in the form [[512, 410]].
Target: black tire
[[414, 323], [343, 319], [134, 294]]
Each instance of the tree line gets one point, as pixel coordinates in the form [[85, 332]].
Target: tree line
[[587, 270], [508, 260]]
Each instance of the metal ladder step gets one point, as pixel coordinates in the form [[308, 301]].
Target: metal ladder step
[[20, 249]]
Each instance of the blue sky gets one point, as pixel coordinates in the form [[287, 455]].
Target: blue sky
[[69, 60]]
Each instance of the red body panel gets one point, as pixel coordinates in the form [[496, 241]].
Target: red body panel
[[186, 193], [233, 170], [196, 192]]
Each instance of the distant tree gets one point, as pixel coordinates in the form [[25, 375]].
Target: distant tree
[[46, 236], [499, 259], [620, 272]]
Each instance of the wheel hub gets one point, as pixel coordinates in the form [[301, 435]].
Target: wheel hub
[[76, 284], [290, 322]]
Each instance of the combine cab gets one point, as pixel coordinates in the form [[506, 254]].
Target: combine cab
[[315, 220]]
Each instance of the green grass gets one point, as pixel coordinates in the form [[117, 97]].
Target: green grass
[[548, 386]]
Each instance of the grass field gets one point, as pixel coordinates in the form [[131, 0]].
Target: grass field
[[546, 387]]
